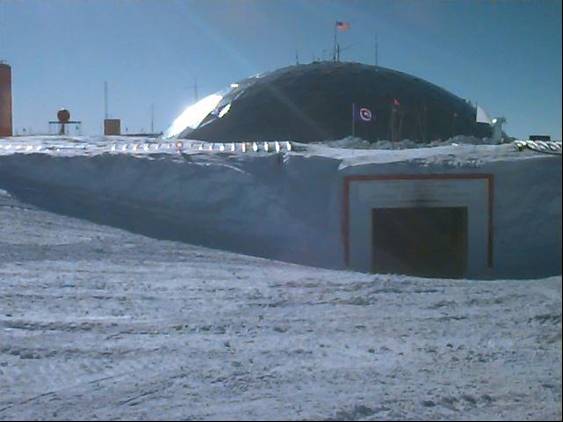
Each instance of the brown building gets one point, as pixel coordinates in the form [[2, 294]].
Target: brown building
[[5, 100], [112, 127]]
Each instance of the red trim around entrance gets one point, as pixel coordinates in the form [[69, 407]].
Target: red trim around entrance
[[363, 178]]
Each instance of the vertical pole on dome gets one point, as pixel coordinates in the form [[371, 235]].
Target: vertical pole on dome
[[376, 50], [353, 120], [334, 46]]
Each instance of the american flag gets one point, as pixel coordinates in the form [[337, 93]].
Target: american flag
[[342, 26]]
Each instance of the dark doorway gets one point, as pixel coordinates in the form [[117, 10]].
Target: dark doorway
[[425, 242]]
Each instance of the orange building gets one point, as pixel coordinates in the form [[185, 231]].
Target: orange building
[[5, 100]]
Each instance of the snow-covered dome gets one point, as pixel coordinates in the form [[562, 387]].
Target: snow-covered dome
[[322, 100]]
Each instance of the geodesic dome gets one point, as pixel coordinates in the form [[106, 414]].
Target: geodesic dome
[[319, 101]]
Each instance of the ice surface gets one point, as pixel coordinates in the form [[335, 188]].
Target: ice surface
[[100, 323]]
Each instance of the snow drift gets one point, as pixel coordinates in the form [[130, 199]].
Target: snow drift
[[286, 206]]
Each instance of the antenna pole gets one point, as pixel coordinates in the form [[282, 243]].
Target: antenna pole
[[106, 99], [334, 47], [1, 27], [152, 118], [376, 51]]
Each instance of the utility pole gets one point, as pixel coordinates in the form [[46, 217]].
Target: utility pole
[[106, 99], [152, 118], [196, 95], [296, 57]]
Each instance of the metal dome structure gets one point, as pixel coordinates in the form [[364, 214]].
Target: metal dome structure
[[317, 101]]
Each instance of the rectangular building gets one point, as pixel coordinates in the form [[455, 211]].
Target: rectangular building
[[5, 100], [112, 127]]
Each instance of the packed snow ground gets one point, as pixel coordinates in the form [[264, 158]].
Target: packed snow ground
[[99, 323]]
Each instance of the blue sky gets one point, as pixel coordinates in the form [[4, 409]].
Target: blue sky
[[504, 55]]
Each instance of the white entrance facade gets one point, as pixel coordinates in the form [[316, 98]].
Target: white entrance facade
[[362, 194]]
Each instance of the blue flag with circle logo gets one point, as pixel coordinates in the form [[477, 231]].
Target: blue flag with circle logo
[[362, 114]]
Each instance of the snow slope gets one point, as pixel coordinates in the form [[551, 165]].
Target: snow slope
[[100, 323]]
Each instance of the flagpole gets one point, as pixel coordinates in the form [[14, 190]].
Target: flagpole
[[353, 120]]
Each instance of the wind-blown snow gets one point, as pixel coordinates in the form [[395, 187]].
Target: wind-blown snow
[[99, 323], [359, 143]]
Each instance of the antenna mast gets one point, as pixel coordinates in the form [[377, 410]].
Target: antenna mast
[[376, 51], [335, 43], [106, 99], [2, 25], [152, 118]]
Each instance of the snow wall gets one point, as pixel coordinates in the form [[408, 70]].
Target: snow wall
[[286, 206]]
